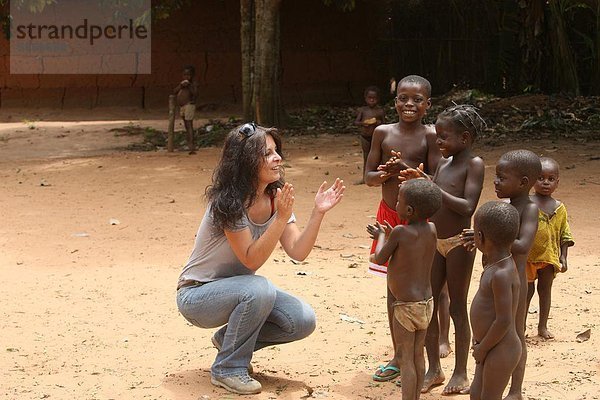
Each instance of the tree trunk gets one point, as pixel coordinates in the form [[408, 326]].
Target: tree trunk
[[564, 68], [532, 39], [267, 104], [261, 62], [247, 52], [596, 69]]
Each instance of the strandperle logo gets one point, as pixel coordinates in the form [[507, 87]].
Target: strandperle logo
[[80, 37], [83, 31]]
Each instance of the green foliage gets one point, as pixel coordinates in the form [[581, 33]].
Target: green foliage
[[163, 9], [34, 6], [549, 120]]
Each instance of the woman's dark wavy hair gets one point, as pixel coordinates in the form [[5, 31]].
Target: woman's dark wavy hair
[[235, 179]]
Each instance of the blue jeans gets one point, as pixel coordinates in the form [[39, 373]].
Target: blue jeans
[[255, 312]]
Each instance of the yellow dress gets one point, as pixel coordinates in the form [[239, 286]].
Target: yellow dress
[[553, 231]]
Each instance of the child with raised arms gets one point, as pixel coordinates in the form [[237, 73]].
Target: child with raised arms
[[410, 249], [408, 143], [548, 256], [496, 345], [460, 177]]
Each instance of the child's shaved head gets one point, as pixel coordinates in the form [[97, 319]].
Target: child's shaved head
[[418, 80], [499, 222], [424, 196], [524, 162], [550, 162]]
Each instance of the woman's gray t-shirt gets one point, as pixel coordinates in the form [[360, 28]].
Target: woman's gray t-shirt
[[212, 257]]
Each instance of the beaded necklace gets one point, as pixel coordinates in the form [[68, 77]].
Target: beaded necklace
[[485, 267]]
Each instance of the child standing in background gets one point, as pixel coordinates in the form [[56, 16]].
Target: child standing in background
[[368, 118], [186, 93], [548, 256]]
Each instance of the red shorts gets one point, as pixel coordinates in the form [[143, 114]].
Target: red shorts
[[384, 213]]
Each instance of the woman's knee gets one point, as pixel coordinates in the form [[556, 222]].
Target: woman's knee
[[260, 291], [310, 321], [306, 321]]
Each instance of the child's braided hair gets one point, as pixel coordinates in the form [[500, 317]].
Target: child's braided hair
[[465, 115]]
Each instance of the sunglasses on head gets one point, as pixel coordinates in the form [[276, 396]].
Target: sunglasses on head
[[248, 129]]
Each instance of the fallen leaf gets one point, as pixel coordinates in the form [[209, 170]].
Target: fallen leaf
[[584, 336]]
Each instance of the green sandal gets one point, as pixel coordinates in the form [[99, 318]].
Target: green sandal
[[384, 378]]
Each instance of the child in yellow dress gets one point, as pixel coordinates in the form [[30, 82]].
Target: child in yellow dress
[[548, 255]]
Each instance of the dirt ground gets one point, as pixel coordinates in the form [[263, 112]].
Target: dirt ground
[[93, 238]]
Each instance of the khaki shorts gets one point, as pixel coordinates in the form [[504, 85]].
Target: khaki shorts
[[187, 111]]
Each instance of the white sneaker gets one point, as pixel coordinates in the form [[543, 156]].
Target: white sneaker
[[240, 384]]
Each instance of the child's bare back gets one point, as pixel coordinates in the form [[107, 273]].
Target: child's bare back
[[410, 265], [410, 249]]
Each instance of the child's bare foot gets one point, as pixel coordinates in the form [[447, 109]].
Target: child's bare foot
[[457, 385], [445, 349], [545, 333], [432, 380]]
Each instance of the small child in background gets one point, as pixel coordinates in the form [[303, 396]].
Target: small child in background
[[368, 118], [410, 249], [186, 93], [496, 345], [548, 256]]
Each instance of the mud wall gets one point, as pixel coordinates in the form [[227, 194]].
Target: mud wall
[[328, 56]]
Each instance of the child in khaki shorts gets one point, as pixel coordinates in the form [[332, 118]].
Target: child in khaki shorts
[[186, 93]]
